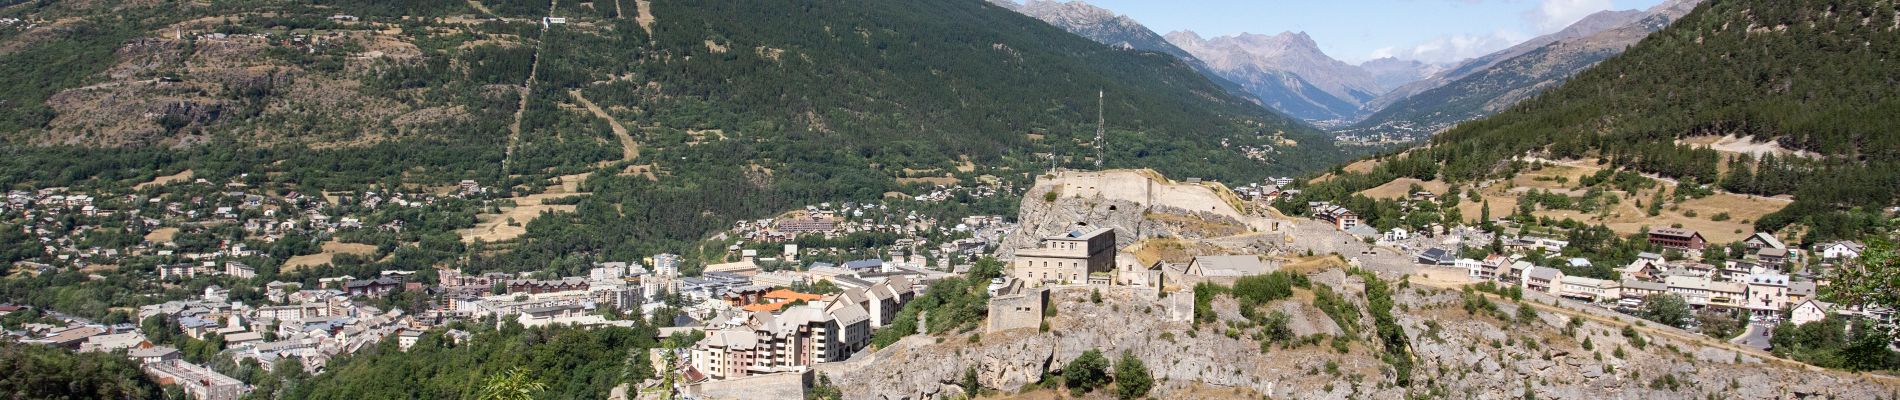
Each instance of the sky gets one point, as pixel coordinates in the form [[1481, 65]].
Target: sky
[[1358, 30]]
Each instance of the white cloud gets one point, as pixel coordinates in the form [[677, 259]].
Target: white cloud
[[1552, 15], [1451, 48]]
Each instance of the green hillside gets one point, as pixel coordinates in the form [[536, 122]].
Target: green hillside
[[1816, 78], [738, 109]]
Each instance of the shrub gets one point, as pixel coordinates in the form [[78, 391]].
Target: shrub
[[1087, 372], [1132, 380]]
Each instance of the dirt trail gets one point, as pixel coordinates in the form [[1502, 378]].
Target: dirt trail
[[482, 7], [645, 8], [629, 149], [527, 88]]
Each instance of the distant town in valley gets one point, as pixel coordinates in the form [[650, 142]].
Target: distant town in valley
[[947, 199]]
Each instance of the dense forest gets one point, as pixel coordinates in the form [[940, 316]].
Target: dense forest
[[42, 372], [741, 109], [572, 363], [1814, 77]]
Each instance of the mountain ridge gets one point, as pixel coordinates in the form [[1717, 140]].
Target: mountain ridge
[[1488, 84], [1252, 60]]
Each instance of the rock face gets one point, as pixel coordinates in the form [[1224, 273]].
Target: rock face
[[1455, 353], [1136, 204], [1262, 63], [1096, 23], [1118, 31]]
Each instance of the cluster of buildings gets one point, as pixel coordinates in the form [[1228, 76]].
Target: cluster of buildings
[[942, 193], [972, 235], [309, 325], [620, 286], [795, 330], [1755, 285], [1268, 191], [165, 364], [66, 224]]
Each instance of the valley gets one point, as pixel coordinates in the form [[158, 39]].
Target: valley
[[948, 199]]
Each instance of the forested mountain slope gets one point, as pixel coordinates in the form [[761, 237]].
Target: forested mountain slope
[[1489, 84], [1817, 79], [1117, 31], [738, 108]]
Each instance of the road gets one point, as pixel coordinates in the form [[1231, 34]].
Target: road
[[1756, 337]]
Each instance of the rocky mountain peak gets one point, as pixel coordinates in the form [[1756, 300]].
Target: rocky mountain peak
[[1250, 57]]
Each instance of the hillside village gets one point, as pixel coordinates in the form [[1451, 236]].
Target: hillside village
[[238, 266], [929, 200], [790, 300]]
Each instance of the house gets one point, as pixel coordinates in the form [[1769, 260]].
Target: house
[[408, 338], [1492, 268], [1636, 289], [197, 381], [792, 340], [1437, 256], [1693, 289], [1677, 238], [1811, 311], [1590, 289], [1397, 234], [1763, 240], [1513, 273], [371, 287], [1842, 250], [1542, 279], [1774, 256], [1767, 293], [1474, 269], [71, 338], [778, 279], [239, 270], [1340, 217], [866, 265], [243, 338], [1065, 258], [153, 354], [1578, 262]]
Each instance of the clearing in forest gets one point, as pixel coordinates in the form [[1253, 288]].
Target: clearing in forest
[[165, 180], [512, 221], [330, 250]]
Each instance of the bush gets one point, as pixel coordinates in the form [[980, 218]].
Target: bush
[[1526, 314], [1132, 380], [1087, 372]]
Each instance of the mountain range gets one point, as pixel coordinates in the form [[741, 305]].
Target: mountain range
[[701, 113], [1383, 99], [1777, 99], [1489, 84]]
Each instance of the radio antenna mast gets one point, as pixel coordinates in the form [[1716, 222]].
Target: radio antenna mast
[[1101, 125]]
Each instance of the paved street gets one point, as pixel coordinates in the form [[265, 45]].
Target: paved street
[[1756, 337]]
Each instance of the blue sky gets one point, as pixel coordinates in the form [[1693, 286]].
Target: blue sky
[[1359, 30]]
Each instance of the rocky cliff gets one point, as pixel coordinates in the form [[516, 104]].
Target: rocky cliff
[[1456, 353], [1137, 204], [1259, 63]]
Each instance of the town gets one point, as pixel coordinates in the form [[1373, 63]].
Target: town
[[800, 292], [251, 277]]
